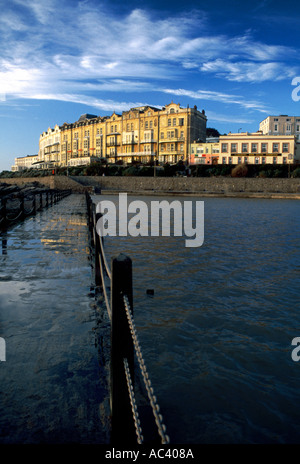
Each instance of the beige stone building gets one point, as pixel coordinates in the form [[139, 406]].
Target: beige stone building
[[49, 148], [247, 148], [25, 162], [141, 134], [281, 125]]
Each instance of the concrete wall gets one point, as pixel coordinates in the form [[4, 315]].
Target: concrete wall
[[53, 182], [203, 185], [221, 185]]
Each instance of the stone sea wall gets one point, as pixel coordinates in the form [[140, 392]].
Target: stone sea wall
[[220, 186]]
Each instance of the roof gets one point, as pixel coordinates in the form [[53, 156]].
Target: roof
[[87, 116]]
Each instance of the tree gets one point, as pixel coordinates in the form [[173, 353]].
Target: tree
[[211, 132]]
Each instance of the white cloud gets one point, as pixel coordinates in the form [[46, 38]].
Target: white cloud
[[218, 97], [243, 71], [69, 47]]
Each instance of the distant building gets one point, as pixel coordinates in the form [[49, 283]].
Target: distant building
[[204, 153], [281, 125], [49, 148], [247, 148], [24, 162], [142, 134]]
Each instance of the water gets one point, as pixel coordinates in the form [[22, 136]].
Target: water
[[52, 387], [216, 336]]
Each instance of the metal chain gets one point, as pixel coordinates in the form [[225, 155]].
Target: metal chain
[[135, 413], [155, 407]]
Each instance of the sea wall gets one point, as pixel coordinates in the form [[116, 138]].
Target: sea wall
[[194, 185], [217, 186], [53, 182]]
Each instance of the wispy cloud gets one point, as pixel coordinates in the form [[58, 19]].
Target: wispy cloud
[[219, 97], [70, 48], [243, 71]]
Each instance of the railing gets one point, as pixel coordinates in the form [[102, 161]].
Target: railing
[[19, 207], [126, 425]]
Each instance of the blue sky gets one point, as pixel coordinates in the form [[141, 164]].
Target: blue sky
[[63, 58]]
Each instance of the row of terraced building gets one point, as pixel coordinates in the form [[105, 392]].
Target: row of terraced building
[[162, 135]]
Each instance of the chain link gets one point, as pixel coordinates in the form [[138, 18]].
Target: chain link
[[135, 413], [153, 401]]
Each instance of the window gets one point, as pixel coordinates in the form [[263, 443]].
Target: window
[[229, 160], [174, 121], [224, 147], [297, 128], [288, 128], [127, 127], [224, 160], [275, 127], [263, 160], [162, 135], [181, 121], [151, 124], [275, 119], [131, 126], [264, 147], [239, 160], [284, 160], [256, 160], [172, 110], [146, 125], [275, 147], [169, 122], [285, 147], [233, 148], [253, 147], [274, 160], [246, 160], [244, 147]]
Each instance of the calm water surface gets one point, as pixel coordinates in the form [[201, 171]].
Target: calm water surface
[[216, 335]]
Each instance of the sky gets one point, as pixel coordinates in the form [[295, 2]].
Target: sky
[[59, 59]]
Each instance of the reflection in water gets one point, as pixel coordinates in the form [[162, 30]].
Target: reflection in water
[[52, 386], [3, 237]]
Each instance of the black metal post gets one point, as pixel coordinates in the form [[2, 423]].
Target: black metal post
[[123, 430], [3, 211], [22, 207]]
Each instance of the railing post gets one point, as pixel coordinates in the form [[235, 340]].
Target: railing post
[[3, 211], [123, 430], [22, 206], [34, 203], [96, 239]]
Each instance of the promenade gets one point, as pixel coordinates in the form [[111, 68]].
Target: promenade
[[52, 387]]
